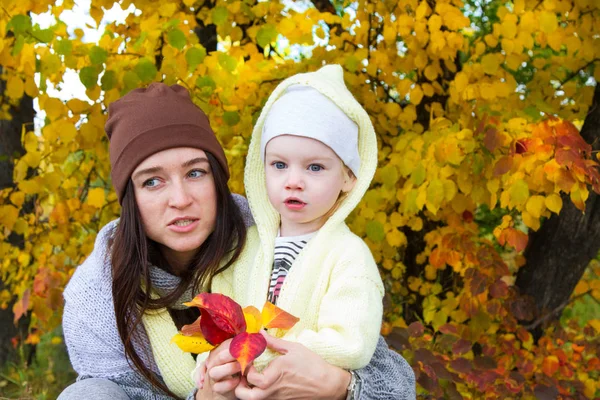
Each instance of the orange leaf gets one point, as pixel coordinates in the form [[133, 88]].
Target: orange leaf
[[192, 329], [550, 365], [253, 319], [245, 347], [275, 317]]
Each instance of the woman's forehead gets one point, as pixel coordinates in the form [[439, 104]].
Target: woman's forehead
[[175, 157]]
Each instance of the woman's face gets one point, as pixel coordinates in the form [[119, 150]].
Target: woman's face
[[175, 193]]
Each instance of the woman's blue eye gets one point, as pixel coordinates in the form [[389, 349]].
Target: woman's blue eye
[[197, 173], [279, 165], [315, 167], [150, 183]]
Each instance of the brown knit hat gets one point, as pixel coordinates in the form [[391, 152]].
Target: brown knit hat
[[157, 118]]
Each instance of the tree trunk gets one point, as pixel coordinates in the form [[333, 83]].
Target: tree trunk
[[11, 148], [559, 252]]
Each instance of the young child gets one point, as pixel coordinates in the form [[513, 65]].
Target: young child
[[312, 156]]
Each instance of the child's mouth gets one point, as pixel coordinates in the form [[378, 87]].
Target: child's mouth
[[294, 204]]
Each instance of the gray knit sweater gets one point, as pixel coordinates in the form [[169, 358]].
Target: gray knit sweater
[[96, 350]]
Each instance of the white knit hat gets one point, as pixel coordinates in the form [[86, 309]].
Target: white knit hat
[[304, 111]]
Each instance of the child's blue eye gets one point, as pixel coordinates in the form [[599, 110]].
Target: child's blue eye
[[196, 173], [315, 167], [279, 165]]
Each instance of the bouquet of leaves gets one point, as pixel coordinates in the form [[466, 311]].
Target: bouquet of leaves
[[222, 318]]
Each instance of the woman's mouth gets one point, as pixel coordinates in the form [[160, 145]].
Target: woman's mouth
[[183, 222], [183, 225]]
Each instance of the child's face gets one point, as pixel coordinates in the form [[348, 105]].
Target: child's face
[[304, 180]]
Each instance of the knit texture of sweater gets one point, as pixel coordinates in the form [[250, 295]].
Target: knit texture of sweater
[[334, 286]]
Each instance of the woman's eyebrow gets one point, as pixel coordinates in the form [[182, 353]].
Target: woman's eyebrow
[[151, 170], [193, 161]]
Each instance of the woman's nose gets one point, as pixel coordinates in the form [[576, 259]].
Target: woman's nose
[[179, 195]]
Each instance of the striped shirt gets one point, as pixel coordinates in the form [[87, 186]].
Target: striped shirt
[[286, 251]]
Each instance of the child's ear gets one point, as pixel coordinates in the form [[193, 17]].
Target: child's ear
[[349, 181]]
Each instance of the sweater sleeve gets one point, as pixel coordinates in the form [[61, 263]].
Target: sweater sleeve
[[349, 319], [387, 376]]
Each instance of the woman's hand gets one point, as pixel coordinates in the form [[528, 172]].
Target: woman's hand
[[297, 374], [223, 373]]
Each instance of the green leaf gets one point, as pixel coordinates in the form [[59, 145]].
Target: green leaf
[[146, 70], [194, 57], [130, 81], [389, 175], [219, 15], [227, 62], [205, 81], [108, 80], [375, 231], [266, 35], [19, 23], [418, 175], [18, 46], [533, 112], [43, 35], [63, 47], [98, 55], [177, 39], [231, 118], [89, 76], [138, 43]]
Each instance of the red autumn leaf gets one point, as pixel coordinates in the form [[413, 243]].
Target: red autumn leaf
[[566, 157], [222, 318], [491, 140], [499, 289], [461, 365], [212, 331], [467, 216], [503, 165], [461, 346], [521, 146], [275, 317], [245, 347], [416, 329]]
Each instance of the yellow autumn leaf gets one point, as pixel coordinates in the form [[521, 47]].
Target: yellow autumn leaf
[[536, 205], [96, 197], [15, 87], [554, 203], [416, 95], [396, 238], [548, 22], [192, 344], [490, 63]]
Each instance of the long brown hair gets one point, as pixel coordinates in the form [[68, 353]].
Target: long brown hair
[[132, 252]]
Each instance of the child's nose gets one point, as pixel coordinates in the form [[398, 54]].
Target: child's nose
[[295, 180]]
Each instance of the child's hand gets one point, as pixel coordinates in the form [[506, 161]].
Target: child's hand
[[200, 375], [223, 370]]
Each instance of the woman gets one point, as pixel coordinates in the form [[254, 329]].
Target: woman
[[179, 226]]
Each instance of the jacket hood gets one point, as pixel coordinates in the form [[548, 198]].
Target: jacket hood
[[329, 81]]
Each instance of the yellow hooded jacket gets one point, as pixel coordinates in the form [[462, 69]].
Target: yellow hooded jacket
[[334, 286]]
